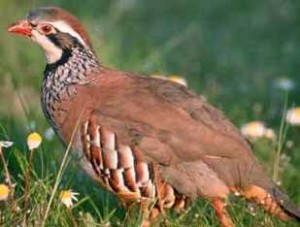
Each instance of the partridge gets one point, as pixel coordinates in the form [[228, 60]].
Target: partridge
[[147, 140]]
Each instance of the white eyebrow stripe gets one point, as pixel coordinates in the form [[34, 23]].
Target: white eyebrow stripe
[[64, 27]]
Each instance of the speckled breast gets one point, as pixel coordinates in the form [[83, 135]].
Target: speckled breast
[[120, 169]]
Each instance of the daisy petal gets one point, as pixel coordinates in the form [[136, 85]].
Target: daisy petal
[[6, 144]]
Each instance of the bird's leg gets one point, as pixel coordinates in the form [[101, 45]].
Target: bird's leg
[[151, 214], [154, 214], [145, 213], [128, 207], [266, 200], [221, 212]]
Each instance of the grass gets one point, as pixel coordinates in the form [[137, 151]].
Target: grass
[[229, 51]]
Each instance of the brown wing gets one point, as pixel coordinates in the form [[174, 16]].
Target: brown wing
[[172, 127]]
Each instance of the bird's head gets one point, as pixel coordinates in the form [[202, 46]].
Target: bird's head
[[54, 29]]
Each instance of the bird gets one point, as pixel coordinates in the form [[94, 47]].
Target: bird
[[151, 142]]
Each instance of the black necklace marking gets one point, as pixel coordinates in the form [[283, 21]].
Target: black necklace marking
[[64, 58]]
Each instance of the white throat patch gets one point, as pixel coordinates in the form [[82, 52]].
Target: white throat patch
[[52, 52]]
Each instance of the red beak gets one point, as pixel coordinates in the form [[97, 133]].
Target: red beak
[[22, 27]]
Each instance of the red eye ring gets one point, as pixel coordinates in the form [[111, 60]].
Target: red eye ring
[[46, 29]]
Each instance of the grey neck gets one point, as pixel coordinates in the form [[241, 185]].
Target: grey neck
[[74, 66], [61, 78]]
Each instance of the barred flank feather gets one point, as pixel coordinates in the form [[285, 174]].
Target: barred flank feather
[[122, 170]]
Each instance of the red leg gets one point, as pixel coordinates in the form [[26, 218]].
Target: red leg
[[222, 214]]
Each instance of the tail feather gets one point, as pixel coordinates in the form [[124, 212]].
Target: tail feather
[[285, 204], [274, 202]]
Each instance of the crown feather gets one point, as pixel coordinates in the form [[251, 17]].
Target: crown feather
[[53, 14]]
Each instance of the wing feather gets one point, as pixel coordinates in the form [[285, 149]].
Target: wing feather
[[171, 125]]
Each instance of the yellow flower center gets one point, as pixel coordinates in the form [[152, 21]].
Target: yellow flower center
[[65, 194], [4, 190], [255, 126], [297, 111], [178, 79], [34, 140], [34, 137], [158, 76]]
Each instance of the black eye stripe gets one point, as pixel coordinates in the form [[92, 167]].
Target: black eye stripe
[[32, 25], [57, 30]]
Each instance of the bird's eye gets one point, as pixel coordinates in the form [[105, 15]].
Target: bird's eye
[[46, 29]]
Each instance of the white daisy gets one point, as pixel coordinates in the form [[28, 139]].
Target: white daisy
[[270, 134], [49, 134], [34, 140], [67, 197], [4, 192], [293, 116], [254, 129], [6, 144], [178, 79], [284, 83], [158, 76]]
